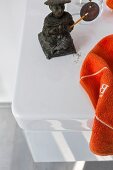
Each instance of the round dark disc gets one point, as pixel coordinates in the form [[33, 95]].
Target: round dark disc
[[92, 9]]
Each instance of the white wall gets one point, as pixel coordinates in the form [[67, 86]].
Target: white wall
[[11, 23]]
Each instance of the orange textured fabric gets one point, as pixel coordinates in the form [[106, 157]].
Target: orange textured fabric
[[109, 3], [96, 77]]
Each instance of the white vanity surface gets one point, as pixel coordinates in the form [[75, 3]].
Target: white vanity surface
[[49, 90], [48, 96]]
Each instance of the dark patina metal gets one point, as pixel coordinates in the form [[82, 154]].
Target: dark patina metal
[[55, 38], [92, 9]]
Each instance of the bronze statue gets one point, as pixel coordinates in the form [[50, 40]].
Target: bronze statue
[[55, 37]]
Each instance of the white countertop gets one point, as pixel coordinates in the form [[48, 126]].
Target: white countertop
[[48, 93], [11, 24], [48, 98]]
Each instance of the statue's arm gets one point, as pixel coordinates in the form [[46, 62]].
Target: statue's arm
[[70, 22]]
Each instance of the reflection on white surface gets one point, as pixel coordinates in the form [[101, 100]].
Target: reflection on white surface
[[108, 158], [79, 165], [59, 146], [55, 124], [63, 146]]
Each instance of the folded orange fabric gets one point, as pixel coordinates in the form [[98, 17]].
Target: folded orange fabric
[[96, 77]]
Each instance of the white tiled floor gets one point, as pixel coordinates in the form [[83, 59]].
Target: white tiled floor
[[15, 154]]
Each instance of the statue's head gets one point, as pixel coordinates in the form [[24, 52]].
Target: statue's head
[[57, 10], [57, 6]]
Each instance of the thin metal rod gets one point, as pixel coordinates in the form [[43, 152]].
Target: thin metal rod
[[79, 20]]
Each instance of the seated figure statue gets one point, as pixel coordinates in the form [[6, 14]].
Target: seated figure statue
[[55, 37]]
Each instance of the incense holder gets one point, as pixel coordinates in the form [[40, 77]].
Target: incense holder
[[92, 9]]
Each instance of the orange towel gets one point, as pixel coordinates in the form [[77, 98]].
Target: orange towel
[[97, 79]]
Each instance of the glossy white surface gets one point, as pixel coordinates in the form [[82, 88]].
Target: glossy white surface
[[15, 154], [11, 24], [49, 90], [61, 147]]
